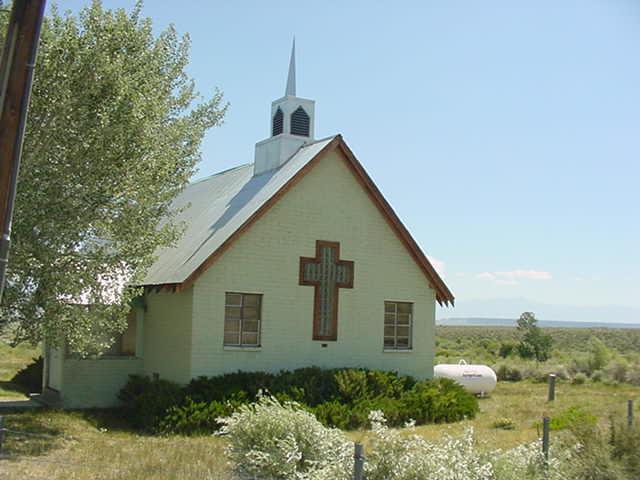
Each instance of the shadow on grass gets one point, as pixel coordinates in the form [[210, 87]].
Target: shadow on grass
[[12, 388], [112, 419], [31, 434]]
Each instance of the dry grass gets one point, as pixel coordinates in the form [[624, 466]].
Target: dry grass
[[82, 446], [525, 404]]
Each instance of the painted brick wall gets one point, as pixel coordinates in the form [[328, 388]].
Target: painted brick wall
[[327, 204], [96, 383], [167, 335]]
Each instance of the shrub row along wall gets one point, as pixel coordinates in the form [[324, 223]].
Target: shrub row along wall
[[339, 397]]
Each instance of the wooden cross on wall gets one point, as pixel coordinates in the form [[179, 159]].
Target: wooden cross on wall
[[327, 273]]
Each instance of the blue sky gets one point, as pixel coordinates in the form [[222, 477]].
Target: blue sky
[[506, 135]]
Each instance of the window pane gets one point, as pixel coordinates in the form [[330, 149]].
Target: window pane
[[389, 307], [232, 338], [251, 313], [231, 325], [389, 342], [403, 342], [232, 312], [389, 319], [404, 308], [249, 338], [234, 299], [403, 332], [250, 326], [251, 300], [389, 331], [404, 319]]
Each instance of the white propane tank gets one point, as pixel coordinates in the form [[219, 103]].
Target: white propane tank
[[478, 379]]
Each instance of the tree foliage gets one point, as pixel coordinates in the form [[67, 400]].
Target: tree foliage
[[114, 132], [533, 343]]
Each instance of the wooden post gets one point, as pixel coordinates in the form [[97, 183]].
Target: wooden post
[[358, 462], [552, 387], [545, 440], [630, 413], [1, 433]]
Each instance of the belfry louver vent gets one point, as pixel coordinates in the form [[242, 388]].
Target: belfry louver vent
[[300, 122], [278, 123]]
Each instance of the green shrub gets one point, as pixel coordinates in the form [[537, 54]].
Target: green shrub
[[571, 418], [579, 379], [506, 349], [147, 400], [597, 376], [617, 370], [508, 373], [195, 417], [30, 377], [439, 400], [626, 448], [340, 398], [504, 424]]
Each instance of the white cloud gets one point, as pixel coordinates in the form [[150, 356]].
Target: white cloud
[[486, 276], [527, 274], [512, 277]]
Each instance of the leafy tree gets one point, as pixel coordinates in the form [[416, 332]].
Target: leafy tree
[[533, 343], [114, 133], [599, 354]]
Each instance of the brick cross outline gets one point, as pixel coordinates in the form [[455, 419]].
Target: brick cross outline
[[327, 274]]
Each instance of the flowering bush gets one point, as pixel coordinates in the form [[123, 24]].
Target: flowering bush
[[272, 440], [396, 456]]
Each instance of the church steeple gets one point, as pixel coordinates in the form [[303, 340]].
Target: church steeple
[[292, 124], [290, 91]]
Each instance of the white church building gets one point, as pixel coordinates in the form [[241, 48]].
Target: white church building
[[293, 260]]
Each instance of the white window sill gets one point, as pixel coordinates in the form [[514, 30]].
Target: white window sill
[[397, 350], [231, 348]]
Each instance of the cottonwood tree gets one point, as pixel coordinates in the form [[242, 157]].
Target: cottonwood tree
[[533, 343], [114, 132]]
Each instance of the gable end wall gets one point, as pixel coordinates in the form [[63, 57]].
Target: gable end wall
[[326, 204]]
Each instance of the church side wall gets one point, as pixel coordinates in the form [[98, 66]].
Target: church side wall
[[167, 335], [327, 204]]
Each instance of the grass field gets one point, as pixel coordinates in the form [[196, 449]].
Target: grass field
[[92, 445], [98, 445], [12, 360]]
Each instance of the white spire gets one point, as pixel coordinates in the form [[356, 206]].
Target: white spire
[[291, 79]]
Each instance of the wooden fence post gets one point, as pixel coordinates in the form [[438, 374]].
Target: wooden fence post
[[552, 387], [545, 440], [1, 433], [358, 462], [630, 413]]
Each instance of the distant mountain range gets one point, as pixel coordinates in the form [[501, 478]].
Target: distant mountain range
[[509, 308], [511, 322]]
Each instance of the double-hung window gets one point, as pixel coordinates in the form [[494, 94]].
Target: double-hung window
[[398, 325], [242, 319]]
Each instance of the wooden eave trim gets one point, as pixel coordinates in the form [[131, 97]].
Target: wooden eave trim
[[443, 294]]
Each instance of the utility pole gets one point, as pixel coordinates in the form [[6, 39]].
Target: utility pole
[[16, 76]]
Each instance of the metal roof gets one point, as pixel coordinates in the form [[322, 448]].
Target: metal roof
[[212, 209]]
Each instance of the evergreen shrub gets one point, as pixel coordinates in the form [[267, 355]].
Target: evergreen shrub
[[340, 398]]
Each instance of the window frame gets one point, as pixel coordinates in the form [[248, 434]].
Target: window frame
[[241, 320], [409, 337]]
